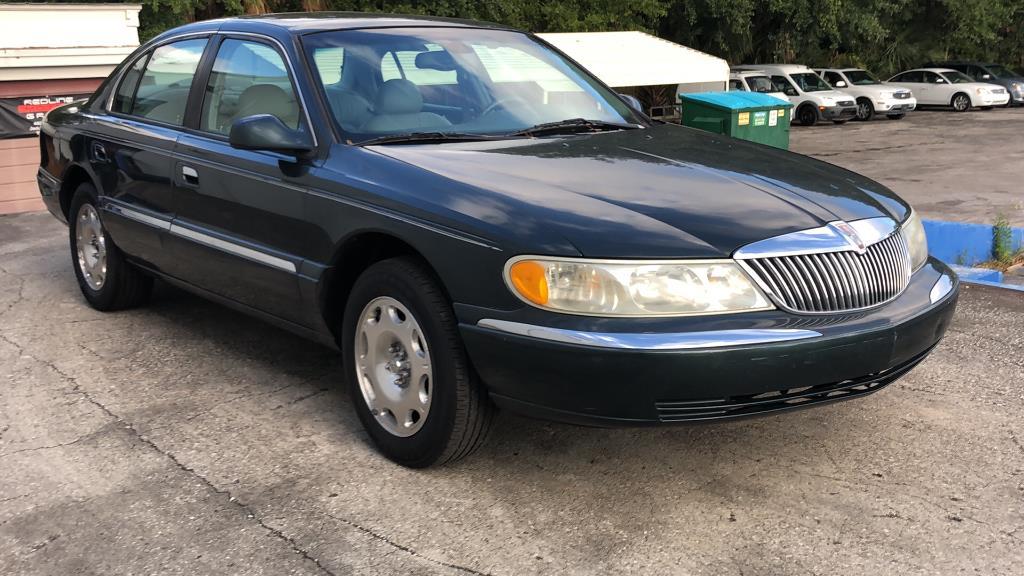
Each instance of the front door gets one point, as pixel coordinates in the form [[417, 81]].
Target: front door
[[241, 229]]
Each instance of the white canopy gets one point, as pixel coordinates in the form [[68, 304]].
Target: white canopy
[[623, 59]]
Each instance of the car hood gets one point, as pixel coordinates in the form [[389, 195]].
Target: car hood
[[665, 191]]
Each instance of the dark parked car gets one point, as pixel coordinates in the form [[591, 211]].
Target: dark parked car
[[991, 73], [474, 220]]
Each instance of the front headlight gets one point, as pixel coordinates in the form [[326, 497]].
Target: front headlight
[[982, 91], [913, 232], [634, 288]]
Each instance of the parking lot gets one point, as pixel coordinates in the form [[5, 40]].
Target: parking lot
[[185, 438], [951, 166]]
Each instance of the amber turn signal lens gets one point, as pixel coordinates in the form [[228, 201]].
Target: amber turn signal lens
[[528, 279]]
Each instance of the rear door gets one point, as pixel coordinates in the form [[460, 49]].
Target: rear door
[[129, 147], [240, 227]]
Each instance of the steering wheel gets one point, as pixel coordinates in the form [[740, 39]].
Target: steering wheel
[[503, 103]]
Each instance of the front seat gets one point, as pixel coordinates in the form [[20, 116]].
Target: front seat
[[268, 99], [399, 108]]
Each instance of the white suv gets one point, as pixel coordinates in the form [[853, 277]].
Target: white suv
[[812, 98], [872, 96]]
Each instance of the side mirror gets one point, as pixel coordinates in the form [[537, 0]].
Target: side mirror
[[841, 84], [986, 76], [940, 81], [633, 102], [267, 132]]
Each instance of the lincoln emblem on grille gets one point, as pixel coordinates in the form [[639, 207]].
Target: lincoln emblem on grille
[[850, 235]]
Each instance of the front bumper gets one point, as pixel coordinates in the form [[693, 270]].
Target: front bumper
[[994, 99], [837, 112], [895, 107], [711, 367]]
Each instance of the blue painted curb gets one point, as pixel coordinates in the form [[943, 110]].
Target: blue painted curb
[[963, 243]]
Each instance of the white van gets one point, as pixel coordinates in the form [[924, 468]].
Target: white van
[[754, 81], [812, 98]]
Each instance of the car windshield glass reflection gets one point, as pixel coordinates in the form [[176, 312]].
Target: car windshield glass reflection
[[810, 82], [454, 80], [861, 78]]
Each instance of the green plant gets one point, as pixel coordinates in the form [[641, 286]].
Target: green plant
[[1002, 240]]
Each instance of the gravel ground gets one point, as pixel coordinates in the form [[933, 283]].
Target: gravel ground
[[950, 166], [184, 438]]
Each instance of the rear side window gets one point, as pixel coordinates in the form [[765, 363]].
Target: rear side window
[[129, 83], [163, 89], [248, 78]]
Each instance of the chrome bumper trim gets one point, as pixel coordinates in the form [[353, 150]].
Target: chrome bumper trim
[[651, 341]]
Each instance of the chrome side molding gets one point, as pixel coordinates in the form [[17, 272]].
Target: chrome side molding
[[652, 341]]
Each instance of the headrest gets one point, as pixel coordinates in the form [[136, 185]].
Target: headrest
[[398, 96], [265, 99], [435, 60]]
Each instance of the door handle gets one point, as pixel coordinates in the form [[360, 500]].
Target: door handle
[[190, 176], [99, 152]]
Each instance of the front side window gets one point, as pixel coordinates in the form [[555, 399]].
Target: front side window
[[914, 76], [810, 82], [862, 78], [833, 78], [454, 80], [163, 88], [957, 77], [247, 78], [782, 84], [736, 85]]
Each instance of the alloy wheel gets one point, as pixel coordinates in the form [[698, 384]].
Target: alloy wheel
[[961, 103], [393, 366], [91, 247]]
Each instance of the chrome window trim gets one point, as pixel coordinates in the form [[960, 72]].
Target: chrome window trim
[[299, 96], [652, 341], [828, 238]]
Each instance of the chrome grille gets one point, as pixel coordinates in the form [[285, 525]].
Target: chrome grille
[[845, 103], [999, 90], [837, 281], [901, 95]]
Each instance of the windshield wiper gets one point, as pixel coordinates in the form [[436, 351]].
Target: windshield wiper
[[572, 126], [426, 137]]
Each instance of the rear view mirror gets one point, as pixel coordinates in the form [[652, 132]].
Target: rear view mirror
[[633, 102], [267, 132]]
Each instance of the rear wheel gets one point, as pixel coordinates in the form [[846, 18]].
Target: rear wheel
[[407, 371], [961, 102], [865, 110], [807, 116], [106, 279]]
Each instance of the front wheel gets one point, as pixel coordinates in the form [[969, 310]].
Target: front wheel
[[961, 103], [408, 375], [807, 116], [865, 110], [107, 281]]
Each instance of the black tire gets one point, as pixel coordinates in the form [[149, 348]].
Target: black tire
[[896, 116], [123, 285], [844, 121], [807, 115], [865, 109], [960, 102], [460, 413]]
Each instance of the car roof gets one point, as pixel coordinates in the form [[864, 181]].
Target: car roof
[[297, 23], [783, 67], [960, 62], [748, 72], [927, 70], [841, 69]]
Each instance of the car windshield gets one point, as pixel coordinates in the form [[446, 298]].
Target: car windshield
[[455, 81], [810, 82], [955, 77], [761, 84], [1000, 71], [861, 78]]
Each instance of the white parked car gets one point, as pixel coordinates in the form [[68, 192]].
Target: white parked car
[[873, 97], [946, 87], [812, 98], [754, 81]]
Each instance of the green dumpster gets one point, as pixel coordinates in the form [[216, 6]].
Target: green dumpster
[[748, 115]]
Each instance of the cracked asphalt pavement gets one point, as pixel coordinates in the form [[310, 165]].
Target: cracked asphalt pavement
[[184, 438]]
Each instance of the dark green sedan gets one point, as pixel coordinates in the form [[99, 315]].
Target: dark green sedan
[[476, 222]]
